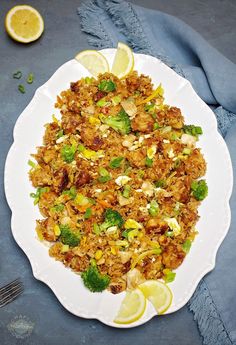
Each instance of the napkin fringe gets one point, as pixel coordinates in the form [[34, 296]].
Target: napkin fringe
[[207, 317], [98, 36], [125, 18]]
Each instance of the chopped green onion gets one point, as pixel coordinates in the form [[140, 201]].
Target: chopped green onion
[[107, 86], [68, 153], [160, 183], [58, 208], [116, 100], [193, 130], [88, 213], [126, 232], [70, 192], [96, 229], [169, 276], [102, 103], [30, 78], [141, 173], [81, 148], [126, 191], [199, 189], [154, 208], [115, 162], [186, 151], [39, 192], [31, 163], [149, 162], [60, 133], [21, 88], [156, 126], [88, 80], [17, 75], [186, 246], [149, 107], [104, 175]]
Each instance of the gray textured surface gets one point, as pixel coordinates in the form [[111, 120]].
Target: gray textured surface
[[37, 311]]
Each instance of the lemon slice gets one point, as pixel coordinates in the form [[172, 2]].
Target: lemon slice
[[158, 293], [132, 307], [123, 62], [94, 61], [24, 23]]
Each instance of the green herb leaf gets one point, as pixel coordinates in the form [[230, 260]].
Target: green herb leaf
[[58, 208], [115, 162]]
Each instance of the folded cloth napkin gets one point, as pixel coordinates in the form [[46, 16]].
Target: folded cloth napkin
[[214, 79]]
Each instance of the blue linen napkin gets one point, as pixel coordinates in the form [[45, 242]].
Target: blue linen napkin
[[213, 77]]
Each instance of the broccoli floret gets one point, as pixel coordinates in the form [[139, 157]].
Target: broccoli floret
[[112, 218], [107, 86], [93, 279], [199, 189], [68, 236], [120, 123]]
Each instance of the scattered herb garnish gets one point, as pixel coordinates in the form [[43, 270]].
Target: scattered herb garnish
[[17, 75], [21, 88], [30, 78]]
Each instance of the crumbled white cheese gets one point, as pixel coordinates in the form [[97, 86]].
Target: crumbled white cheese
[[148, 188], [173, 225], [112, 230], [122, 180], [171, 153], [188, 140], [98, 190], [165, 141], [61, 139], [151, 151]]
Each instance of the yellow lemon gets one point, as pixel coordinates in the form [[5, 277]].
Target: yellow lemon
[[158, 293], [94, 61], [132, 307], [123, 62], [24, 24]]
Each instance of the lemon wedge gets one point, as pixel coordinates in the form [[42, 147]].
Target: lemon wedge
[[94, 61], [132, 307], [158, 293], [24, 24], [123, 62]]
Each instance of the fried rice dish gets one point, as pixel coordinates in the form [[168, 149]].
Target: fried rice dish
[[118, 182]]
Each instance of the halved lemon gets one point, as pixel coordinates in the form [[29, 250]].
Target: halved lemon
[[24, 23], [94, 61], [132, 307], [158, 293], [123, 62]]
